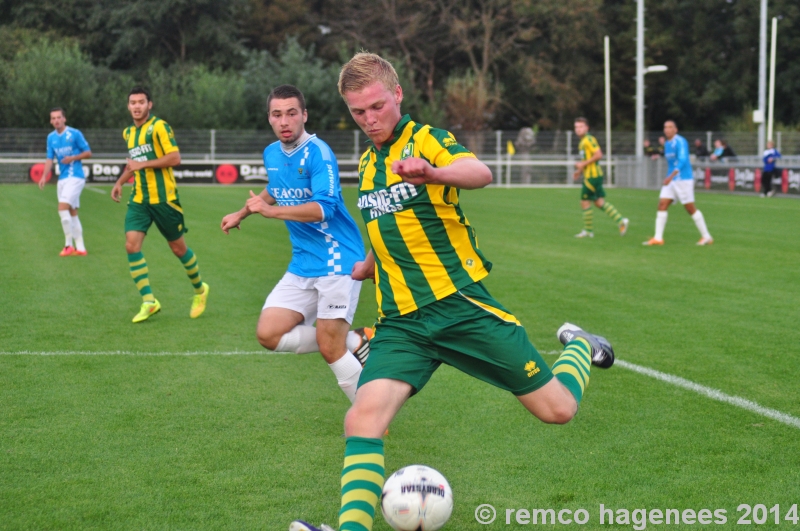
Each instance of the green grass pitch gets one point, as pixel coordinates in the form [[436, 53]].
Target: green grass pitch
[[253, 441]]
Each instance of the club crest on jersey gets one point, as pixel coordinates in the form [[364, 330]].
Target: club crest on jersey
[[408, 151]]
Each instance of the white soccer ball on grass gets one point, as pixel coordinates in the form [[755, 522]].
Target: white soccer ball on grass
[[416, 498]]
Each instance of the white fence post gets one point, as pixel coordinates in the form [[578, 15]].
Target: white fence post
[[569, 157], [213, 145], [498, 145]]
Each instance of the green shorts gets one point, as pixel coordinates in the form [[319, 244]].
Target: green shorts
[[168, 217], [468, 330], [592, 189]]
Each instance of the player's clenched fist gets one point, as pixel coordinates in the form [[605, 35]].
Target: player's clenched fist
[[257, 205], [414, 170]]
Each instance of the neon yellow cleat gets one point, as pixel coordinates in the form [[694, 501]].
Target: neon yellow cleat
[[199, 303], [147, 309]]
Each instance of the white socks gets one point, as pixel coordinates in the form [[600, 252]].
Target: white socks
[[353, 341], [661, 223], [66, 224], [77, 233], [700, 221], [301, 340], [347, 370]]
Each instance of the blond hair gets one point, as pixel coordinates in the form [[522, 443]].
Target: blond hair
[[364, 69]]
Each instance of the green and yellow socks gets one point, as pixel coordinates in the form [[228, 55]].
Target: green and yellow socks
[[189, 261], [612, 212], [362, 483], [139, 271], [608, 208], [588, 217], [572, 367], [138, 266]]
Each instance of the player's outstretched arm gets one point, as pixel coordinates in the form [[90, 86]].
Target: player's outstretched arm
[[366, 269], [306, 213], [234, 219], [48, 167], [464, 173]]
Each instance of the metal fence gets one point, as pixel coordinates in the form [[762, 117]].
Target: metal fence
[[546, 159], [210, 143]]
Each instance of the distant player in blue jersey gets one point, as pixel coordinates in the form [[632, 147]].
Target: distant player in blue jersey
[[68, 146], [771, 156], [304, 191], [678, 186]]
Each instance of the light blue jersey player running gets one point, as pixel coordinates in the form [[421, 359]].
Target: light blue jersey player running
[[68, 146], [678, 186], [304, 191]]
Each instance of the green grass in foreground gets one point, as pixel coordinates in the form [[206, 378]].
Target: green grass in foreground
[[254, 441]]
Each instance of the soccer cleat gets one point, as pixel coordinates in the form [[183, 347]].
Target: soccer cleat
[[770, 193], [623, 226], [362, 352], [147, 309], [585, 234], [602, 351], [705, 241], [199, 303], [299, 525], [79, 253], [67, 251], [653, 241]]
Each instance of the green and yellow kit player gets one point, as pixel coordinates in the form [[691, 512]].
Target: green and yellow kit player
[[432, 305], [592, 190], [152, 153]]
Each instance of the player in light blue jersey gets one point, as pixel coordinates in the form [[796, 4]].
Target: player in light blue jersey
[[304, 191], [68, 146], [678, 186]]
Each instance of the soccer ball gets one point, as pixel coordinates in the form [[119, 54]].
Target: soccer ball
[[416, 498]]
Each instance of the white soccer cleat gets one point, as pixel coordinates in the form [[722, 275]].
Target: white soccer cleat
[[585, 234], [623, 226], [705, 241]]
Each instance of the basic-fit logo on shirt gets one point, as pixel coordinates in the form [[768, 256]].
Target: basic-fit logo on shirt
[[387, 200]]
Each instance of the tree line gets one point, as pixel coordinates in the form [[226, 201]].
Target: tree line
[[464, 64]]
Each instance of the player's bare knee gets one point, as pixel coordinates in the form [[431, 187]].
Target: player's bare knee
[[267, 338], [563, 413]]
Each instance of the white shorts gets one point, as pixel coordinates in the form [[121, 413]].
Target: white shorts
[[69, 191], [682, 190], [329, 297]]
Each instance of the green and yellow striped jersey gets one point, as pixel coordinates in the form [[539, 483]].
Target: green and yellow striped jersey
[[424, 247], [588, 147], [152, 140]]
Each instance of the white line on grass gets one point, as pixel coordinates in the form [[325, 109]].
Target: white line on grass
[[134, 353], [93, 189], [714, 394]]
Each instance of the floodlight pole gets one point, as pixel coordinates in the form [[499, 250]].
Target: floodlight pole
[[607, 48], [762, 76], [771, 119], [639, 79]]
